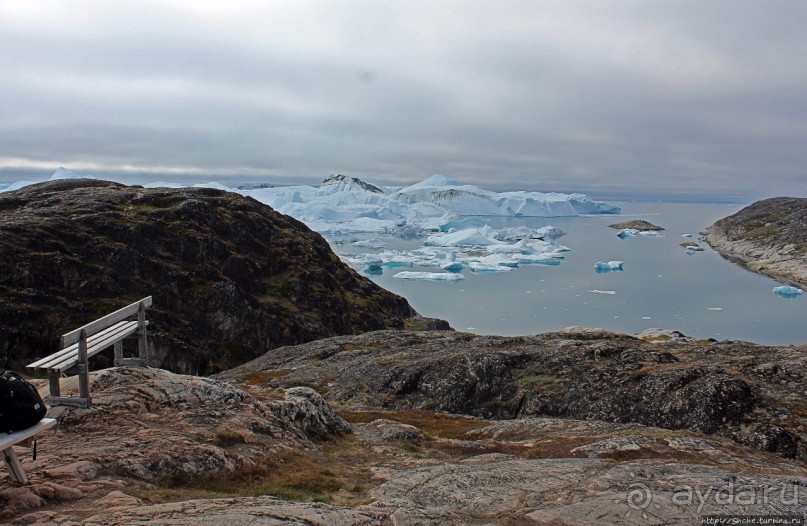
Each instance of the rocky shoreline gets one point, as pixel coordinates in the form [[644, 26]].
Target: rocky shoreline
[[768, 237]]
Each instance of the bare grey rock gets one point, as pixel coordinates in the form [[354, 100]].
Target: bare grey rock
[[307, 410], [769, 237], [502, 490], [384, 430], [245, 511], [637, 224], [664, 380]]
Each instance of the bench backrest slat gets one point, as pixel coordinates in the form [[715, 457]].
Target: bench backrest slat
[[102, 323]]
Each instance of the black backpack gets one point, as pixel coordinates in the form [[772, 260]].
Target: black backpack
[[20, 403]]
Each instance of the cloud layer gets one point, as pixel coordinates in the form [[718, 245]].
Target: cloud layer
[[676, 98]]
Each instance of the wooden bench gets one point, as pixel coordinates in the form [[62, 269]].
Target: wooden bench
[[9, 440], [80, 345]]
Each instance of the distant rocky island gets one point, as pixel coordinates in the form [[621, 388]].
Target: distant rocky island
[[230, 277], [769, 237], [637, 224]]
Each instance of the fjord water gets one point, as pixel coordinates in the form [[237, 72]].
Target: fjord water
[[702, 295]]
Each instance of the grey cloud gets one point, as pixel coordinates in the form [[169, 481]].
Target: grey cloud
[[664, 98]]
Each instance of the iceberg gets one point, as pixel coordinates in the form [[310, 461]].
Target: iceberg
[[369, 243], [373, 265], [786, 291], [609, 266], [498, 260], [550, 232], [163, 184], [16, 185], [631, 232], [451, 264], [471, 200], [429, 276], [469, 237], [343, 183], [538, 259], [476, 266], [584, 205], [63, 173]]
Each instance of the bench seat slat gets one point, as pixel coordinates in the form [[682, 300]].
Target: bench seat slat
[[43, 363], [102, 323], [7, 440], [71, 359]]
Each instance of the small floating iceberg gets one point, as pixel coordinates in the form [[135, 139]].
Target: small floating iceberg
[[786, 291], [609, 266], [632, 232], [538, 259], [429, 276], [373, 265], [476, 266], [370, 243]]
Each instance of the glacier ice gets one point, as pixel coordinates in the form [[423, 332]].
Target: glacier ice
[[787, 291]]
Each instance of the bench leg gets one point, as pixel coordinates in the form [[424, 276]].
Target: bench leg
[[14, 465], [83, 369], [53, 381], [118, 347]]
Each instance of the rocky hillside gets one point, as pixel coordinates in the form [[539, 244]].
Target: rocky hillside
[[160, 448], [769, 237], [752, 394], [230, 277]]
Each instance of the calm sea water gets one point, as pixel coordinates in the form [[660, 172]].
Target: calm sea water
[[702, 295]]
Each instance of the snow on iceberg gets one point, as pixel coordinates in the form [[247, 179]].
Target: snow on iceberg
[[786, 291], [429, 276], [608, 266]]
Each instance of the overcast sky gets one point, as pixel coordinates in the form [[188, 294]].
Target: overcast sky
[[662, 98]]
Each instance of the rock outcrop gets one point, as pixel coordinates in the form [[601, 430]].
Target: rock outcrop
[[162, 448], [769, 237], [230, 277], [754, 394], [637, 224]]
